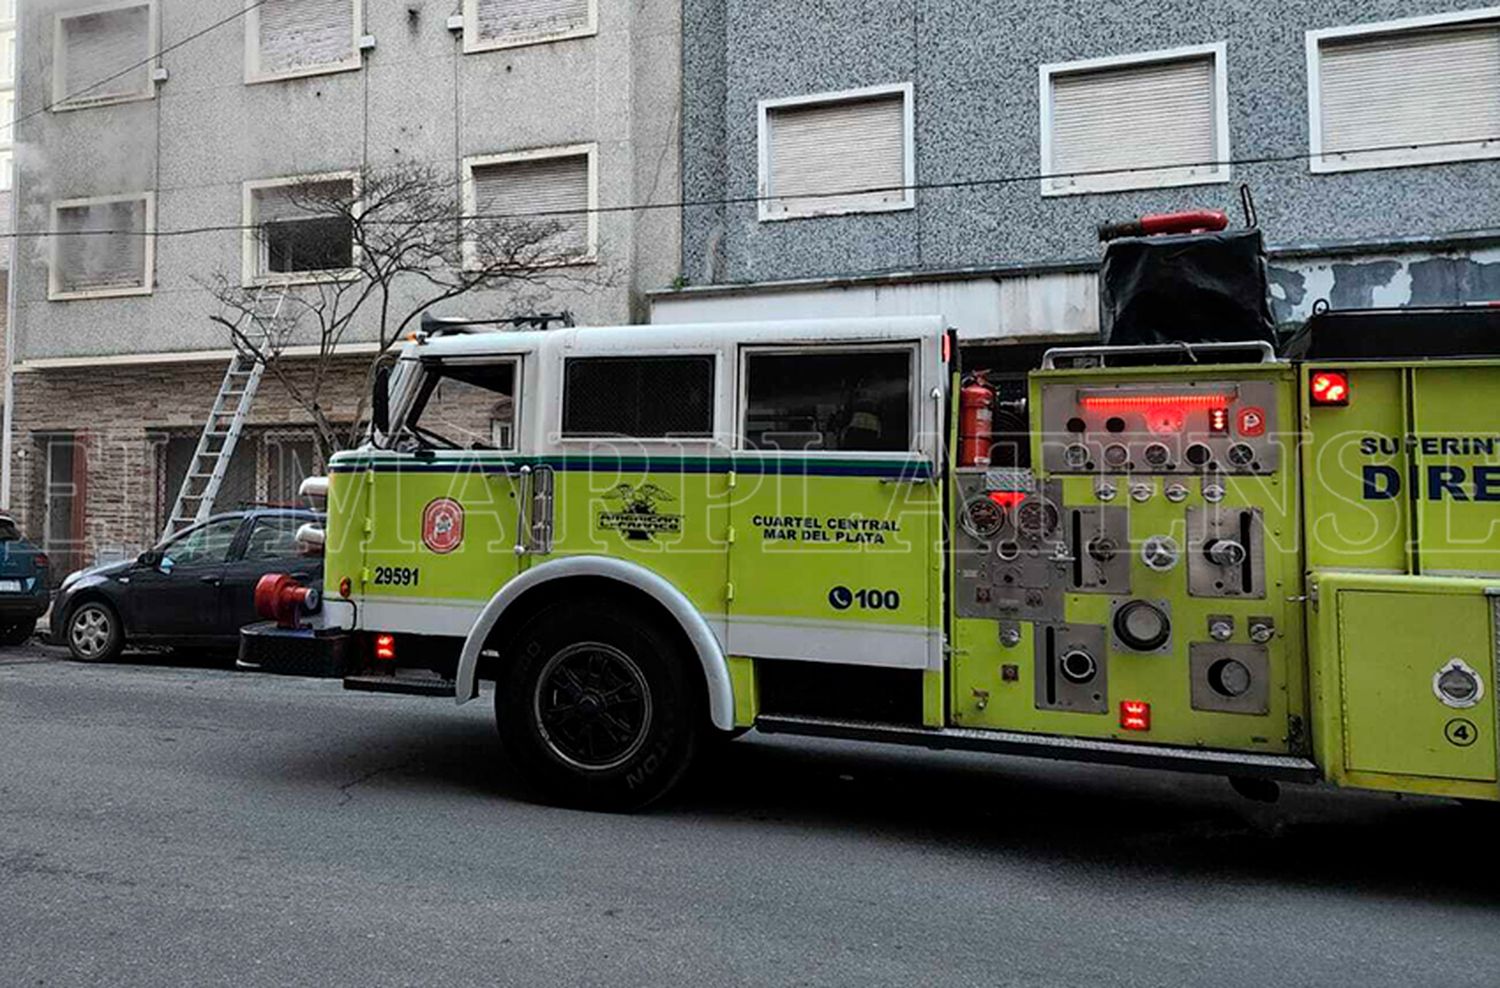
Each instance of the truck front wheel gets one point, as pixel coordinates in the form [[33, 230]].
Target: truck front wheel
[[596, 707]]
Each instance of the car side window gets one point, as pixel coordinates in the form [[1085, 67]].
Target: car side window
[[839, 401], [208, 544], [274, 538]]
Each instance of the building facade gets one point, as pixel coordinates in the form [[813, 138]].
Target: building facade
[[171, 133], [955, 156]]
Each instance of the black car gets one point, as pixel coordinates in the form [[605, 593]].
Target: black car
[[195, 589], [24, 587]]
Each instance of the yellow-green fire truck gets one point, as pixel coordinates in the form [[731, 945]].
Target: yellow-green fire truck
[[1203, 558]]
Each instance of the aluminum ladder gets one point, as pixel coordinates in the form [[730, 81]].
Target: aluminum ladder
[[221, 433]]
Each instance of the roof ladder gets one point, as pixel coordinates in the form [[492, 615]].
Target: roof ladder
[[221, 433]]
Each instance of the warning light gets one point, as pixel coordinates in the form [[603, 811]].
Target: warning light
[[346, 587], [1330, 388], [1218, 420], [1135, 715], [385, 648], [1007, 499]]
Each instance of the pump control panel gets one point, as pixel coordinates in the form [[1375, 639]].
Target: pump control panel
[[1179, 427]]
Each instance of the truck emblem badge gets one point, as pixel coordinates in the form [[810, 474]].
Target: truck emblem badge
[[638, 518], [443, 525]]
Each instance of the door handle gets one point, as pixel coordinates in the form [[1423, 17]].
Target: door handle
[[212, 581]]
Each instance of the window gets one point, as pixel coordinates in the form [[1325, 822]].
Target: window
[[285, 39], [63, 514], [7, 171], [464, 406], [492, 24], [102, 55], [1409, 92], [1136, 122], [829, 401], [208, 543], [836, 153], [274, 537], [103, 246], [638, 397], [535, 206], [300, 229]]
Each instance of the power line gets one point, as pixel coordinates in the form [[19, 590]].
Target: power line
[[951, 185], [147, 61]]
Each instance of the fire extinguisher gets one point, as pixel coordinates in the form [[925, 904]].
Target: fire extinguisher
[[976, 416]]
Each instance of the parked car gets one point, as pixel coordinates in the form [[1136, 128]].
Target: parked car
[[196, 589], [24, 584]]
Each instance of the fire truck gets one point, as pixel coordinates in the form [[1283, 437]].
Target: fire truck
[[1193, 546]]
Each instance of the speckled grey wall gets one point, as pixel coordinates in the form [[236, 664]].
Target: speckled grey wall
[[974, 66], [417, 97]]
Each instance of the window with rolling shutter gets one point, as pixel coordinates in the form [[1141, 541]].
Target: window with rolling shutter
[[826, 156], [1383, 99], [288, 38], [299, 227], [508, 23], [102, 247], [1140, 122], [103, 57], [537, 205]]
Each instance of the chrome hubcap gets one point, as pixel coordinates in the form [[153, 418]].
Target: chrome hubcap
[[592, 706], [90, 632]]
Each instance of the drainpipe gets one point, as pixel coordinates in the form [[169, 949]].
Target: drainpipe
[[7, 444]]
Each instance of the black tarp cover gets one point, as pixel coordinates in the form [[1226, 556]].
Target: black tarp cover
[[1185, 288]]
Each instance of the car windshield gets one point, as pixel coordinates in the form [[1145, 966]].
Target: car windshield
[[463, 406], [8, 531]]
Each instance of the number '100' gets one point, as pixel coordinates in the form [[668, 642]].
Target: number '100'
[[878, 600]]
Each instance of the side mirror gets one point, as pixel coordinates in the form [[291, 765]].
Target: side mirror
[[380, 400], [150, 559]]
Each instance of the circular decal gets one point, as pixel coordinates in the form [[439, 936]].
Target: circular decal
[[1461, 732], [841, 598], [443, 525]]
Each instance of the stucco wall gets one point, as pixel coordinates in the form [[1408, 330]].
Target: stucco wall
[[974, 66]]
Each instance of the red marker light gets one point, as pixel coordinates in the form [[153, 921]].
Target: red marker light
[[385, 648], [1135, 715], [1007, 499], [346, 587], [1329, 388]]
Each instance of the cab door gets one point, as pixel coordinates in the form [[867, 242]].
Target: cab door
[[445, 506], [835, 505]]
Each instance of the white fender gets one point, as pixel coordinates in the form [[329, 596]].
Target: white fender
[[710, 652]]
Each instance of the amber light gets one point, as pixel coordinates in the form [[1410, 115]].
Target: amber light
[[1135, 715], [1330, 388], [346, 587], [385, 648]]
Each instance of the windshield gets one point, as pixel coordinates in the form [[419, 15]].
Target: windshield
[[462, 406]]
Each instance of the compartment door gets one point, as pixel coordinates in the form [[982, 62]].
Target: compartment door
[[1406, 664]]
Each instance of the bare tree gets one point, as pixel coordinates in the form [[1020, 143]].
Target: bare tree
[[345, 261]]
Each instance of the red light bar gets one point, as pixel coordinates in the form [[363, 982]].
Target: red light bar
[[1145, 402], [1007, 499], [1135, 715], [1329, 388], [385, 648]]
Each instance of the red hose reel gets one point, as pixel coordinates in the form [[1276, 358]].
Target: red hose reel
[[280, 598]]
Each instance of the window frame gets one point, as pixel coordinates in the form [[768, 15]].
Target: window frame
[[55, 291], [60, 103], [254, 75], [766, 107], [1218, 54], [913, 350], [473, 44], [253, 260], [1321, 163], [653, 353], [588, 150]]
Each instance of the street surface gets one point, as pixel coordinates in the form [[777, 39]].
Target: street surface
[[167, 822]]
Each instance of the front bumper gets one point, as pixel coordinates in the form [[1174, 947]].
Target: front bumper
[[320, 652]]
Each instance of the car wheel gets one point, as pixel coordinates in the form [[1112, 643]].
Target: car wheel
[[597, 708], [94, 632], [17, 634]]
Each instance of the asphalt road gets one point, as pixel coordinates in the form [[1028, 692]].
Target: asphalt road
[[186, 825]]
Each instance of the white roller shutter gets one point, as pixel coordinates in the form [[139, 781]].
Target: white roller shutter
[[97, 47], [90, 260], [296, 35], [549, 196], [289, 203], [1438, 87], [500, 21], [1134, 127], [826, 158]]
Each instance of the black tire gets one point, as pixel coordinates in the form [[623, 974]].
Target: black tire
[[93, 632], [19, 633], [598, 708]]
